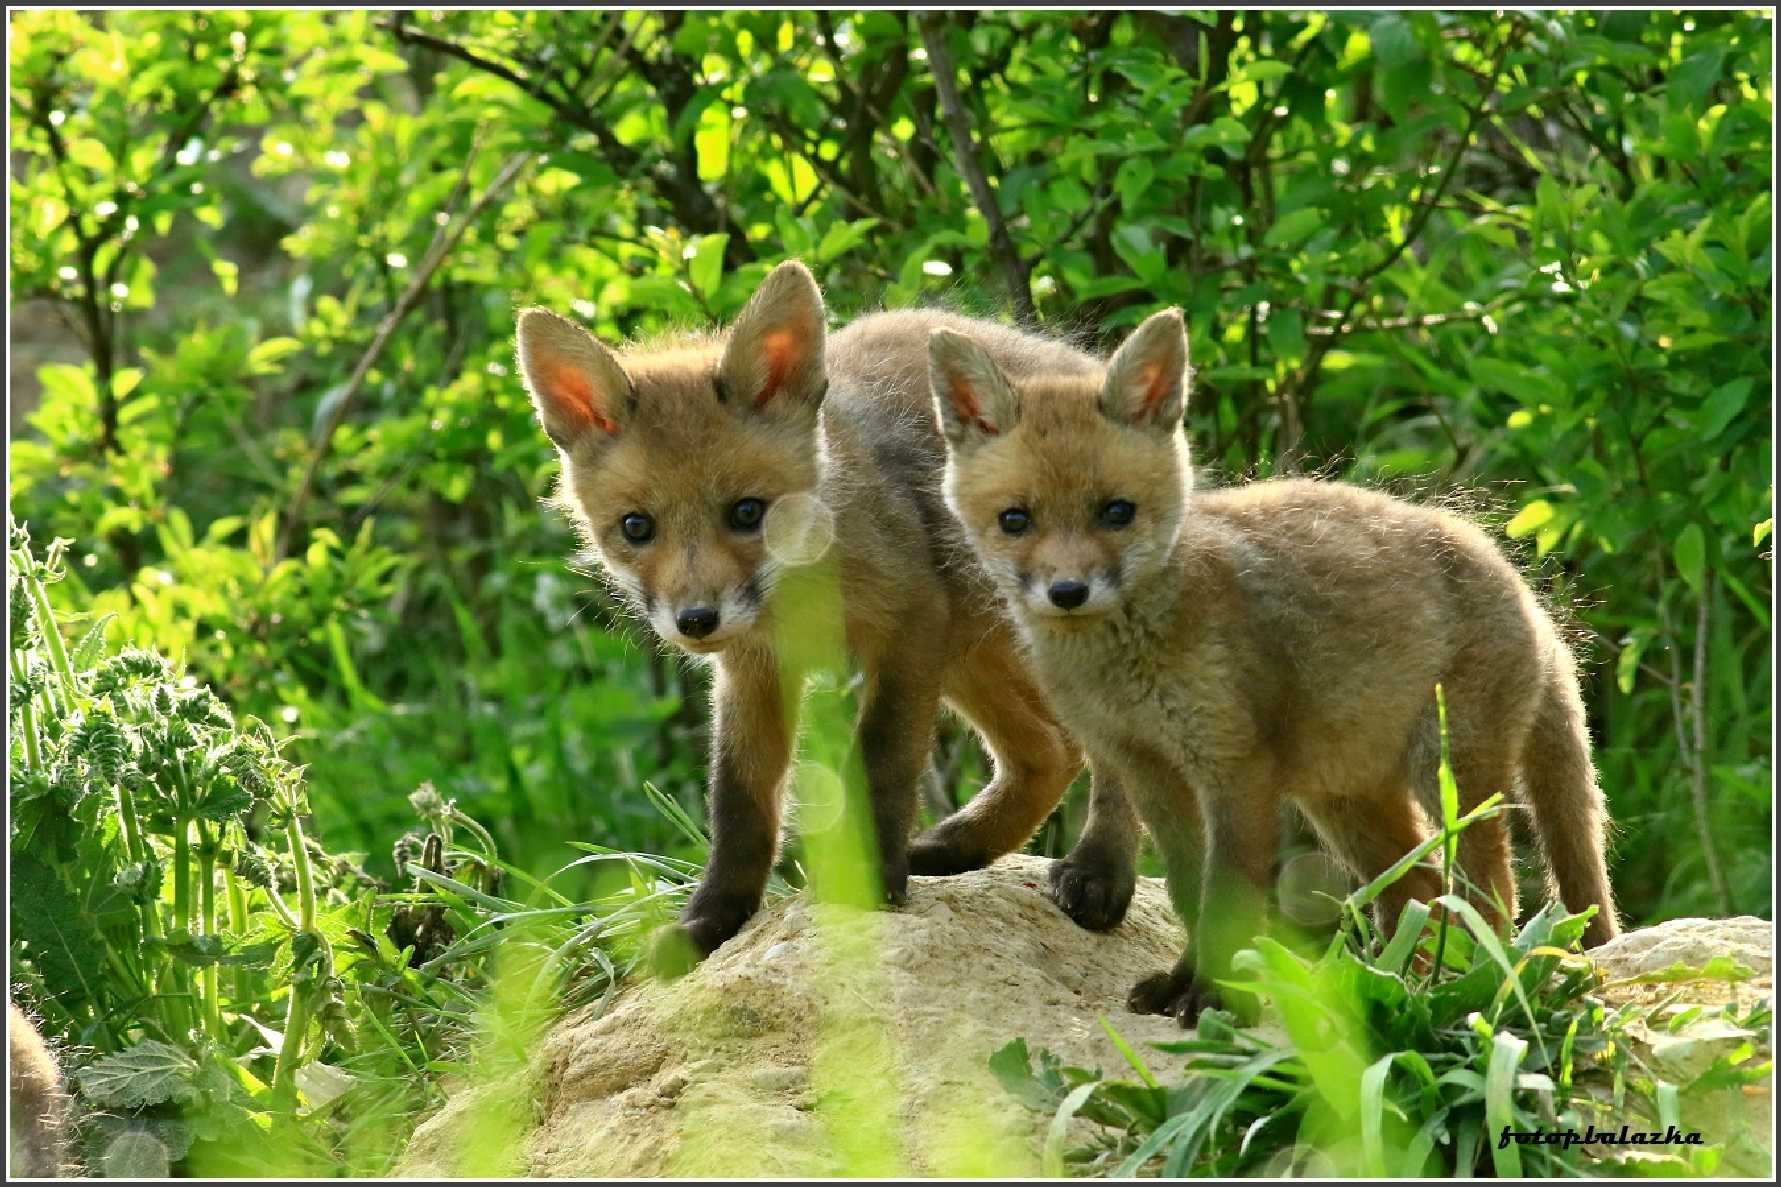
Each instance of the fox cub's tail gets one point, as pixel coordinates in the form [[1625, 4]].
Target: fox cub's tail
[[1569, 814]]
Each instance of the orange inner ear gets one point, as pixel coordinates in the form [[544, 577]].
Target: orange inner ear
[[965, 401], [1154, 379], [781, 350], [572, 394]]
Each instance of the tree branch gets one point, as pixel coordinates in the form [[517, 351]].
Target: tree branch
[[1017, 271], [444, 241], [1288, 394], [1697, 701]]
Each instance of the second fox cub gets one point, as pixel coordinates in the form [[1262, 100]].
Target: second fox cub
[[1218, 651], [704, 470]]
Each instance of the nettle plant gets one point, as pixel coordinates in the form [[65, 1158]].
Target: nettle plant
[[232, 998], [155, 839]]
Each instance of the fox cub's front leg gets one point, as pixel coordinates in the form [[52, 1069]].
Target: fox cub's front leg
[[1219, 888], [1094, 884], [896, 735], [751, 746], [1035, 760]]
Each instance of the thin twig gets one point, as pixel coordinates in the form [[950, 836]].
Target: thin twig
[[1698, 784], [1288, 392], [1018, 271], [444, 241]]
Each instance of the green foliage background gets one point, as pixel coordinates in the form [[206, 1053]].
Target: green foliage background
[[274, 257]]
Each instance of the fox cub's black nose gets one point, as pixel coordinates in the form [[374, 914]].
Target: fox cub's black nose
[[1067, 595], [696, 623]]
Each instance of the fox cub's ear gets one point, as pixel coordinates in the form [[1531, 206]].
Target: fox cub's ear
[[976, 400], [577, 385], [1147, 376], [773, 360]]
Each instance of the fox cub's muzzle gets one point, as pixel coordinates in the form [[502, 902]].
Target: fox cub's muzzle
[[697, 622], [1067, 595]]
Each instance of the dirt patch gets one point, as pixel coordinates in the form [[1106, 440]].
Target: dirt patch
[[821, 1043], [887, 1020]]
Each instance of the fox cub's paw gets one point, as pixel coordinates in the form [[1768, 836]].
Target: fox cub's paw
[[893, 877], [677, 947], [940, 853], [1173, 993], [672, 952], [1094, 892]]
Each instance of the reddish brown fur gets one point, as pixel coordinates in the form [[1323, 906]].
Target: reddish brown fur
[[705, 420], [1279, 639]]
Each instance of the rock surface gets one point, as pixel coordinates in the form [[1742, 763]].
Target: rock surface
[[799, 1050], [719, 1073]]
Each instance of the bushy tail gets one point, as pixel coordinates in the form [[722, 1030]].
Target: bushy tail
[[1570, 815]]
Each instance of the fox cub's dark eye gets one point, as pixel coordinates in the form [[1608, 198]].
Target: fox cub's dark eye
[[1118, 513], [1015, 520], [745, 516], [637, 527]]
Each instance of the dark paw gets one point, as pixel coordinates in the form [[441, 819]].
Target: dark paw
[[673, 952], [935, 855], [1179, 996], [893, 877], [701, 930], [1093, 893]]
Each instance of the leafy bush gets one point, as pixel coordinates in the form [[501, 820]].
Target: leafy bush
[[1386, 1071], [238, 999], [1522, 254], [1406, 1055]]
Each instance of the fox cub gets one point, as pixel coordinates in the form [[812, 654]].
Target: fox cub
[[1217, 651], [708, 472], [38, 1120]]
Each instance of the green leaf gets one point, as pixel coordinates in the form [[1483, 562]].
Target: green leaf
[[150, 1073], [224, 800], [1011, 1065], [1690, 81], [87, 652], [1129, 1055], [59, 939], [1132, 182], [1690, 551], [1521, 383], [1717, 968], [90, 154], [1626, 666], [1722, 407], [1053, 1154], [1372, 1116], [64, 381], [1290, 230], [207, 950], [263, 358], [706, 266], [1133, 244], [1506, 1054], [842, 238], [1529, 519]]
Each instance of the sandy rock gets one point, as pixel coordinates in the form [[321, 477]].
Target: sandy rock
[[824, 1042], [827, 1042], [1687, 1038], [1695, 943]]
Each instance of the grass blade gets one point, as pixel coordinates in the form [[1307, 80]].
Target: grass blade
[[1052, 1159], [1506, 1054]]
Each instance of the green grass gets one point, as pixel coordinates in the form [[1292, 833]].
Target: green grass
[[1400, 1054]]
